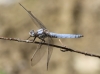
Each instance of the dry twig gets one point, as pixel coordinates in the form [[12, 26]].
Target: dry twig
[[61, 47]]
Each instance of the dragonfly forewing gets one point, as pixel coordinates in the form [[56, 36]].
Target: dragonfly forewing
[[38, 54], [35, 20], [50, 50]]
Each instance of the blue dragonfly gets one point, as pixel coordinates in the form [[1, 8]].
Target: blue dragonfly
[[43, 33]]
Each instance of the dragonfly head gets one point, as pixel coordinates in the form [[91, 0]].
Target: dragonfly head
[[32, 33]]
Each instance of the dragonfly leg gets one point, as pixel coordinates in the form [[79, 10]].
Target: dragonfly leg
[[34, 39], [63, 50], [28, 37], [42, 39]]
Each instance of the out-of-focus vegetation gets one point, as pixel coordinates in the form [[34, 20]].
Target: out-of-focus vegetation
[[2, 72], [60, 16]]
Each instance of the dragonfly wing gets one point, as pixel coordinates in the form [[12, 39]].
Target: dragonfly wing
[[38, 54], [36, 21], [55, 35], [50, 50]]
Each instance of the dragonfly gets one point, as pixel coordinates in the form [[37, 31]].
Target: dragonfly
[[42, 33]]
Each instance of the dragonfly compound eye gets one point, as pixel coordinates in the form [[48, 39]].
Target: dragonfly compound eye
[[31, 33]]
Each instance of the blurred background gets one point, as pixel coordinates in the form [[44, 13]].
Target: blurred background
[[60, 16]]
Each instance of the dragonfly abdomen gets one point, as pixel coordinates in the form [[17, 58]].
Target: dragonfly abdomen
[[55, 35]]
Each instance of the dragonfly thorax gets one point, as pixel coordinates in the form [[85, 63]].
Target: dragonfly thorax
[[41, 33]]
